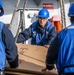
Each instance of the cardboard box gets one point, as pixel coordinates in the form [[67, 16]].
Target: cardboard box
[[32, 53], [32, 60]]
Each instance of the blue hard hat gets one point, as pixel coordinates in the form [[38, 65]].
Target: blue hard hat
[[1, 9], [43, 13], [71, 10]]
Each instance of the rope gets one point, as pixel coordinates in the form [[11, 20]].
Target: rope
[[64, 14], [62, 10], [16, 7], [20, 22]]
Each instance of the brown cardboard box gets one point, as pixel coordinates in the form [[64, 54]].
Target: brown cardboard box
[[32, 53], [32, 60]]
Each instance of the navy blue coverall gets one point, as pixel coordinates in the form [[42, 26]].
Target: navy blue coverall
[[40, 36], [11, 48]]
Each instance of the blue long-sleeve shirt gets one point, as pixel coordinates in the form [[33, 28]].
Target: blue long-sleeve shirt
[[39, 35], [11, 48], [61, 51]]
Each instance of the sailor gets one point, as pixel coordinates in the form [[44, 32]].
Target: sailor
[[41, 31], [8, 49], [61, 50]]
